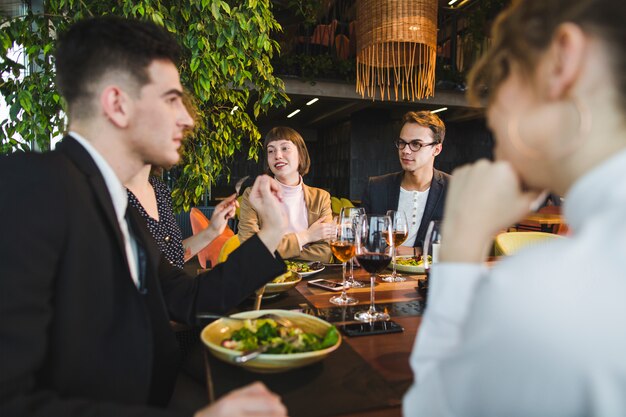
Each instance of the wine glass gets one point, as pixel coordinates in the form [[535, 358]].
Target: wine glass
[[400, 231], [352, 213], [342, 246], [374, 255], [430, 255]]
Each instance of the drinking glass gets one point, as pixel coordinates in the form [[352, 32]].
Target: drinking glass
[[374, 255], [352, 213], [399, 233], [430, 255], [342, 246]]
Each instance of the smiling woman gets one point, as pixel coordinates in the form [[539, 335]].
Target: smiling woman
[[310, 215]]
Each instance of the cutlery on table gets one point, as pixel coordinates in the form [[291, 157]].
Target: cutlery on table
[[240, 183], [283, 321], [253, 353]]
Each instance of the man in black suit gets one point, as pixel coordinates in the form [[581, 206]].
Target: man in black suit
[[419, 190], [86, 294]]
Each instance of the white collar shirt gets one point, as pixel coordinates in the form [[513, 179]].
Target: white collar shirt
[[119, 197], [540, 334]]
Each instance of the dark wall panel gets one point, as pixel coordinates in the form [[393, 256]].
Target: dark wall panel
[[345, 155]]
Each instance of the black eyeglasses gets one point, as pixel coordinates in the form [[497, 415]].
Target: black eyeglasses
[[414, 145]]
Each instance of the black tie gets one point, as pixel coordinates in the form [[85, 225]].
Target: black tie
[[141, 254]]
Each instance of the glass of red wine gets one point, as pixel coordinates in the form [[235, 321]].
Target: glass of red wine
[[374, 254]]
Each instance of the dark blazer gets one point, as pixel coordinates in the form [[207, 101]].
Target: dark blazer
[[383, 193], [78, 338]]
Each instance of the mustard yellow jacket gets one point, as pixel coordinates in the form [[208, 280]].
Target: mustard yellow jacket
[[317, 202]]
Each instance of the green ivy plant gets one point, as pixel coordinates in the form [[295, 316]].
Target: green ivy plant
[[315, 67], [226, 66]]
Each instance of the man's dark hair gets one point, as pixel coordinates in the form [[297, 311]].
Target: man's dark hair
[[93, 47]]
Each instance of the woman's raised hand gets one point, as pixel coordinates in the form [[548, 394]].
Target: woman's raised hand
[[266, 199], [483, 198], [320, 230], [223, 211]]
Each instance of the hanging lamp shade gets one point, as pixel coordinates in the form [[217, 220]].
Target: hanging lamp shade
[[396, 48]]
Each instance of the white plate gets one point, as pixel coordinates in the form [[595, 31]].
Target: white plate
[[216, 332], [272, 288], [408, 268], [309, 273], [306, 274]]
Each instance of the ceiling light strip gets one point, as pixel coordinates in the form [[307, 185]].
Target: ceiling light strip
[[439, 110], [293, 113]]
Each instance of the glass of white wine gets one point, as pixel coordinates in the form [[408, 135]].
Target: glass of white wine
[[342, 246], [399, 233], [352, 213]]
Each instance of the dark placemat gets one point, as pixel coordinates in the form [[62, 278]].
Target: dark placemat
[[341, 314], [342, 383]]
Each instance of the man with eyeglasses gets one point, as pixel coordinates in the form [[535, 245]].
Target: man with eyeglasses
[[419, 189]]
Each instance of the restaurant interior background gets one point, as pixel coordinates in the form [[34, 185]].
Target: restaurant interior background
[[349, 137]]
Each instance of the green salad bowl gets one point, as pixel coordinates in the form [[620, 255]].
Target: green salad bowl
[[215, 333]]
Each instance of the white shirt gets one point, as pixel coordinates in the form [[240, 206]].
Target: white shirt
[[541, 334], [413, 204], [294, 205], [119, 198]]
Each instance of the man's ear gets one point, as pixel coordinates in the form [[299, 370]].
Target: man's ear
[[116, 105], [437, 149], [565, 59]]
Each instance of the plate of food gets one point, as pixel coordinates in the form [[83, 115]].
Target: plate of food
[[303, 268], [333, 262], [307, 340], [410, 264], [282, 283]]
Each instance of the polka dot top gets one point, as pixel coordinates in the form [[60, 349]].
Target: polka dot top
[[165, 231]]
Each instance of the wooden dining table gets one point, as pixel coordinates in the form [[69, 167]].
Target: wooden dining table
[[366, 376], [544, 222]]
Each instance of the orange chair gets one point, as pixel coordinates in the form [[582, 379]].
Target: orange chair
[[211, 252]]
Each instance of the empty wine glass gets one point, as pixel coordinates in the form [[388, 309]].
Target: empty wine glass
[[374, 254], [352, 213], [399, 233], [430, 255], [342, 246]]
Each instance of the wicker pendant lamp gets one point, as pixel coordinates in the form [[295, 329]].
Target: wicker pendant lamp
[[396, 48]]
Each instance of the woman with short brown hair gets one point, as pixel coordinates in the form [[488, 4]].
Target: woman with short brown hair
[[310, 216]]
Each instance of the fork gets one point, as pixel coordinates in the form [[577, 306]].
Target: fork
[[253, 353], [283, 321], [239, 183]]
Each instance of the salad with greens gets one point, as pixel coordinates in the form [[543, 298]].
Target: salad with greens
[[417, 261], [280, 339], [297, 266]]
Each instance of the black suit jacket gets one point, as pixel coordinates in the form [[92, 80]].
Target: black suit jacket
[[383, 193], [78, 338]]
